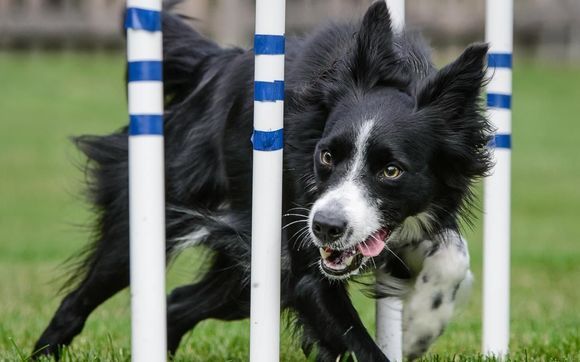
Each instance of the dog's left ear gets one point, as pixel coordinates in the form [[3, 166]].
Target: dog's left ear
[[456, 86], [450, 101]]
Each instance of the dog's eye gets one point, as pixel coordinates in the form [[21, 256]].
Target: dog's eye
[[391, 172], [326, 158]]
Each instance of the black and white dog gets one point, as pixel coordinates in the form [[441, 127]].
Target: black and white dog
[[381, 150]]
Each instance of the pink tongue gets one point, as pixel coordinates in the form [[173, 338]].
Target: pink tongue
[[374, 244]]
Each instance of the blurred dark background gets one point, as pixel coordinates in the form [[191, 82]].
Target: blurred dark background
[[543, 28]]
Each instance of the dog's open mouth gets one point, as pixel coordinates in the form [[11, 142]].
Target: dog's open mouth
[[340, 263]]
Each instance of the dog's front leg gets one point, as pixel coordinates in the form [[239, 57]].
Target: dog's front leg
[[330, 319]]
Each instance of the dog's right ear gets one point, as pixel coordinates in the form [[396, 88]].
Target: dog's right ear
[[375, 32], [370, 59], [373, 57]]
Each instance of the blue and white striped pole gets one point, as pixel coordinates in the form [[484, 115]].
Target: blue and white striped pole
[[397, 11], [268, 142], [389, 311], [146, 180], [496, 267]]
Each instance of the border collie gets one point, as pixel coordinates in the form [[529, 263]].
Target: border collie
[[381, 151]]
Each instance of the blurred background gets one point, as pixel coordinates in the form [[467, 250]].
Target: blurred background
[[62, 74], [545, 28]]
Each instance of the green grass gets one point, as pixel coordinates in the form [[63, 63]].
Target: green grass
[[46, 98]]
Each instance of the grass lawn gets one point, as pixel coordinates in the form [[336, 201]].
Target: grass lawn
[[46, 98]]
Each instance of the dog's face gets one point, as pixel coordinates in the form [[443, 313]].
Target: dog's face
[[395, 160], [371, 169]]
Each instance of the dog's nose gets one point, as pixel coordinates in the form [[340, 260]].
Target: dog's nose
[[328, 227]]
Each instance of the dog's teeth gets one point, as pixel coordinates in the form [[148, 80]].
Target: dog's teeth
[[323, 253], [349, 260]]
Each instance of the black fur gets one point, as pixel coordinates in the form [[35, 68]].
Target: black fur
[[334, 77]]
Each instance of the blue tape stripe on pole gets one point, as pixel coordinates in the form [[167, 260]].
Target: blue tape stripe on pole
[[269, 91], [145, 71], [268, 141], [144, 19], [269, 44], [502, 141], [145, 124], [499, 60], [496, 100]]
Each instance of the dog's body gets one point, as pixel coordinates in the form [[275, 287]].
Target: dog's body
[[380, 149]]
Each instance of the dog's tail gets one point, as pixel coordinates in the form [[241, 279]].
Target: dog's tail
[[106, 171], [185, 51]]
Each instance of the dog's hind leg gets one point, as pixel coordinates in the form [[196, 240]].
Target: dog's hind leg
[[444, 278], [106, 276], [103, 272], [221, 294]]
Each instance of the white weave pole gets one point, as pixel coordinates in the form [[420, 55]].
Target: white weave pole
[[389, 311], [397, 11], [146, 181], [496, 254], [268, 143], [389, 322]]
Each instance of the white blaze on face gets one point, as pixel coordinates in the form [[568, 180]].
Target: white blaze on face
[[351, 198]]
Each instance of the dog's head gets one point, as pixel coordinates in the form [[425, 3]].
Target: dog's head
[[397, 150]]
